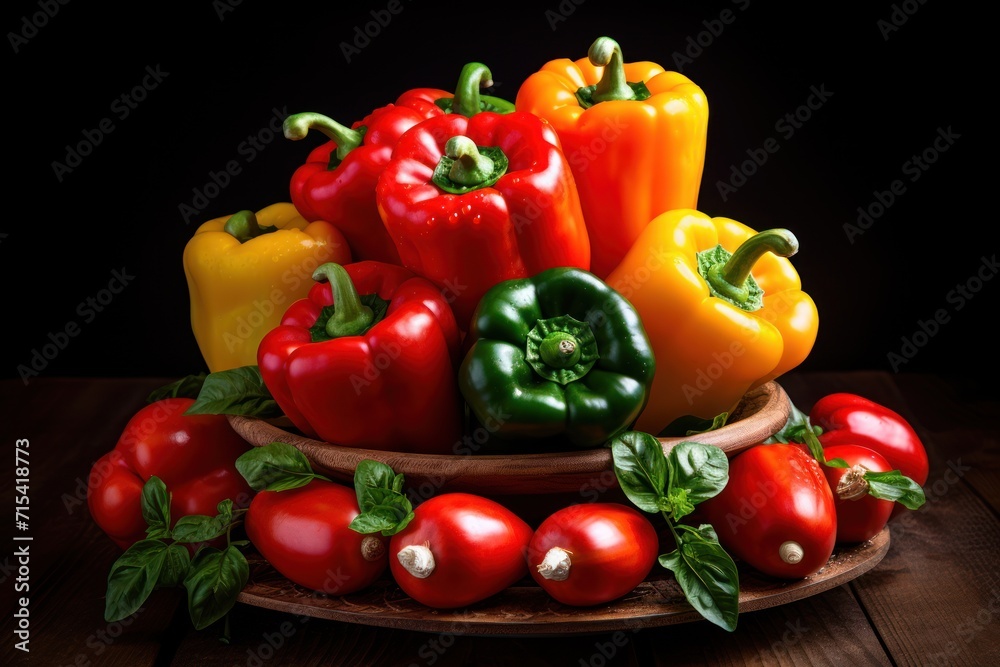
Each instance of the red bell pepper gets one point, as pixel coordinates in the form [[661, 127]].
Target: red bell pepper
[[471, 202], [337, 181], [368, 360], [466, 100], [851, 419], [194, 455]]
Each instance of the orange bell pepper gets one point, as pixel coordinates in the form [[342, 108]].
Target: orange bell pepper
[[634, 135], [723, 308]]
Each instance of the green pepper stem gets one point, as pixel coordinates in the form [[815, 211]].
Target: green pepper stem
[[350, 316], [243, 226], [559, 350], [473, 77], [297, 126], [730, 278], [605, 52], [470, 166]]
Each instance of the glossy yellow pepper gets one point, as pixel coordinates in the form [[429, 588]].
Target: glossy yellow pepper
[[634, 135], [723, 308], [244, 270]]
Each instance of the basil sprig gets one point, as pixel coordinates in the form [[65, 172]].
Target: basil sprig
[[212, 579], [384, 507], [671, 485]]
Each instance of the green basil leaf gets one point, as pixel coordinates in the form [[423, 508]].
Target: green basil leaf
[[176, 563], [794, 429], [706, 574], [384, 508], [690, 425], [132, 578], [701, 469], [376, 519], [838, 463], [369, 475], [187, 387], [641, 469], [237, 391], [894, 485], [197, 528], [155, 504], [213, 582], [277, 466]]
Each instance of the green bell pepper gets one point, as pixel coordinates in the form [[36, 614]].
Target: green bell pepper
[[559, 356]]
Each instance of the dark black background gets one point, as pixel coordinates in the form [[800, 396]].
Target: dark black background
[[891, 87]]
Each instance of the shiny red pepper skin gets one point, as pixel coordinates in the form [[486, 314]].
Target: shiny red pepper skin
[[527, 221], [344, 195], [851, 419], [394, 387], [194, 455]]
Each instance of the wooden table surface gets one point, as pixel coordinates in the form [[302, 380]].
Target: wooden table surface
[[933, 600]]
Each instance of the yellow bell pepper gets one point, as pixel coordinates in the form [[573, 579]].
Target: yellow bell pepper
[[244, 270], [723, 308], [634, 135]]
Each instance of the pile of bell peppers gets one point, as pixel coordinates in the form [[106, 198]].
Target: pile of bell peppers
[[537, 269]]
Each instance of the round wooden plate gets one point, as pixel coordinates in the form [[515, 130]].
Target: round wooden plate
[[761, 413], [525, 609]]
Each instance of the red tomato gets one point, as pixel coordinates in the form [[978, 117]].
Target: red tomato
[[860, 516], [851, 419], [459, 549], [303, 533], [776, 513], [194, 455], [592, 553]]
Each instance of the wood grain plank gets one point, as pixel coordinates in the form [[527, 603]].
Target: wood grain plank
[[67, 615], [935, 597], [827, 629], [70, 423], [265, 637], [961, 418]]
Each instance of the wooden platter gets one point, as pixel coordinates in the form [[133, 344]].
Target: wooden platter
[[525, 609], [761, 413]]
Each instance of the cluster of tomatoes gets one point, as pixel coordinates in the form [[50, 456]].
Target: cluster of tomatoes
[[458, 549], [784, 509], [782, 512]]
